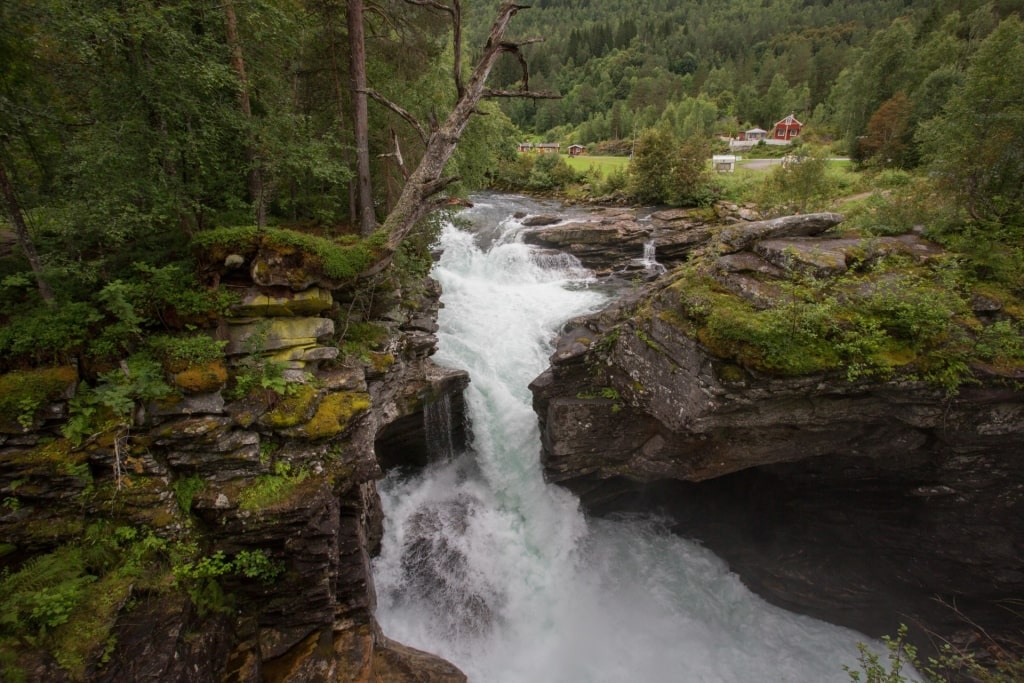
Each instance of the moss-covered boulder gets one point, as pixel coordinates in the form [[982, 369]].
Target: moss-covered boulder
[[334, 415]]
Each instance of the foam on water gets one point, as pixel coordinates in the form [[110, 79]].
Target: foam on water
[[488, 566]]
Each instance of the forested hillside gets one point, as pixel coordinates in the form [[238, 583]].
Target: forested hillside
[[727, 66]]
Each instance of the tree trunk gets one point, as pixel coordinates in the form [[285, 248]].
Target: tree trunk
[[21, 231], [360, 118], [255, 179], [426, 180]]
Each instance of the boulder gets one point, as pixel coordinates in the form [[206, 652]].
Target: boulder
[[739, 236]]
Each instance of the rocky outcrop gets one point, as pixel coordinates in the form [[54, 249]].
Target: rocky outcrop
[[864, 502], [617, 241], [283, 470]]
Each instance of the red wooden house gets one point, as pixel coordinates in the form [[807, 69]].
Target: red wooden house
[[787, 129]]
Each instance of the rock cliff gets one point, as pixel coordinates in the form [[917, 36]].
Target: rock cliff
[[252, 513], [864, 499]]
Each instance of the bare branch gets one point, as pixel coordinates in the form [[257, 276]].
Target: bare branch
[[400, 111], [397, 155]]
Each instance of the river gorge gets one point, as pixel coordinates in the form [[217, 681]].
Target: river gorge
[[541, 464]]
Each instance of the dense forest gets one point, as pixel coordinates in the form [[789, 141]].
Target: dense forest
[[126, 129], [725, 67]]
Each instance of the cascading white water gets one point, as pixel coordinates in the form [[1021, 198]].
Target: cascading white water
[[488, 566]]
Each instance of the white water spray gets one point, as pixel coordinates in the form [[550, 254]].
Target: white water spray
[[488, 566]]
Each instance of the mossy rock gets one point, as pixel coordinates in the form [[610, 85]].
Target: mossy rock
[[56, 455], [289, 258], [310, 301], [333, 416], [292, 409], [24, 392], [204, 378]]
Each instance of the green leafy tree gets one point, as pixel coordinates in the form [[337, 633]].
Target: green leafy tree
[[976, 146], [688, 183], [801, 181], [651, 167]]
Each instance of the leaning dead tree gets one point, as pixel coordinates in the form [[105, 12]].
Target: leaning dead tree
[[423, 192]]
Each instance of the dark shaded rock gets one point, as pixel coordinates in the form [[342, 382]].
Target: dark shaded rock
[[431, 423], [746, 262], [600, 245], [823, 257], [163, 640]]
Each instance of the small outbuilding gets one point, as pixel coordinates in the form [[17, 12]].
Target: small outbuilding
[[576, 150], [754, 134], [723, 163], [547, 147]]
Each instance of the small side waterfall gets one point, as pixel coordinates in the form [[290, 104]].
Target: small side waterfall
[[437, 423], [650, 261]]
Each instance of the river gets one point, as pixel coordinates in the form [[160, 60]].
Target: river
[[487, 565]]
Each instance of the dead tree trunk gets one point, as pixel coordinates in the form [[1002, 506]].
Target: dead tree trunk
[[419, 196], [21, 231]]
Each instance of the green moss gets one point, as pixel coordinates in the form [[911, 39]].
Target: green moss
[[727, 372], [361, 338], [291, 409], [898, 316], [381, 362], [340, 259], [204, 378], [646, 339], [88, 634], [56, 455], [270, 490], [335, 413], [185, 491], [608, 393], [23, 393]]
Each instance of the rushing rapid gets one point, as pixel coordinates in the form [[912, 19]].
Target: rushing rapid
[[500, 573]]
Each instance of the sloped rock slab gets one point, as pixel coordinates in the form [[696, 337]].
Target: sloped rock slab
[[740, 236]]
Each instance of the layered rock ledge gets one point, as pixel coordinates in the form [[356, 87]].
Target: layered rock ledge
[[284, 471], [866, 501]]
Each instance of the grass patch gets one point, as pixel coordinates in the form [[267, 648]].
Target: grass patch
[[602, 166], [871, 324], [271, 489]]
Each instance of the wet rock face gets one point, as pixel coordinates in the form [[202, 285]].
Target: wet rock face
[[858, 502]]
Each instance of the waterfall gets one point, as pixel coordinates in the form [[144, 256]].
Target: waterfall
[[485, 564], [437, 423], [649, 260]]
